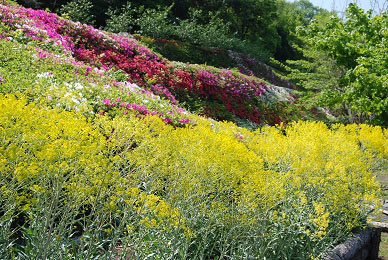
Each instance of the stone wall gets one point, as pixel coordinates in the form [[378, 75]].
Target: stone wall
[[361, 246]]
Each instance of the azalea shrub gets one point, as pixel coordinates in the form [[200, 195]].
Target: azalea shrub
[[175, 50], [240, 97], [237, 94], [61, 81], [221, 58]]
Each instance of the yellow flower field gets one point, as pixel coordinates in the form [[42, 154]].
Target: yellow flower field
[[150, 187]]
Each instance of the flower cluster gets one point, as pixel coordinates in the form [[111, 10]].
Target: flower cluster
[[79, 87], [239, 95], [58, 166], [129, 97], [299, 176], [175, 116], [242, 96], [222, 180], [163, 92]]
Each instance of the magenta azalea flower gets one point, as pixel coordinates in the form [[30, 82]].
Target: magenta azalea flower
[[106, 102]]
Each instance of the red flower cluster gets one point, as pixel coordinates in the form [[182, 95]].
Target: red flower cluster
[[235, 93]]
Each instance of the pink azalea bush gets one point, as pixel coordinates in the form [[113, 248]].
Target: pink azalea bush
[[220, 94], [61, 81]]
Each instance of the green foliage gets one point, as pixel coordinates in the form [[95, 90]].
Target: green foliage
[[289, 17], [188, 52], [318, 77], [358, 44], [9, 2], [215, 33], [216, 24], [79, 10], [120, 20], [297, 13], [155, 23]]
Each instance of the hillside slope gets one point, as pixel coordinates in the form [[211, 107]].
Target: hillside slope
[[220, 58], [220, 94], [98, 160]]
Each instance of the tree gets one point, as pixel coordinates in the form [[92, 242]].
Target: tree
[[359, 46], [289, 17], [121, 20], [79, 10]]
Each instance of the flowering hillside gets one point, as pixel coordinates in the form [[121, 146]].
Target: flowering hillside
[[217, 93], [99, 160], [186, 52]]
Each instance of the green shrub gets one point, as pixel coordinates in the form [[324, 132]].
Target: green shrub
[[155, 23], [121, 20], [9, 2], [79, 11], [213, 34], [187, 52]]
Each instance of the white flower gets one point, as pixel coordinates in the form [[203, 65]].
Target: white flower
[[76, 101], [78, 86], [44, 75]]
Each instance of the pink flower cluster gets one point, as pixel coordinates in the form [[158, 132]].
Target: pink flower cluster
[[237, 94], [164, 92], [143, 111], [36, 24]]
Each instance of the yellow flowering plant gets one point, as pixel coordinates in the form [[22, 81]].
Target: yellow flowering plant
[[209, 189], [59, 183], [95, 167]]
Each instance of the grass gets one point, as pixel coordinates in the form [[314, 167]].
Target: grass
[[382, 176], [383, 253]]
